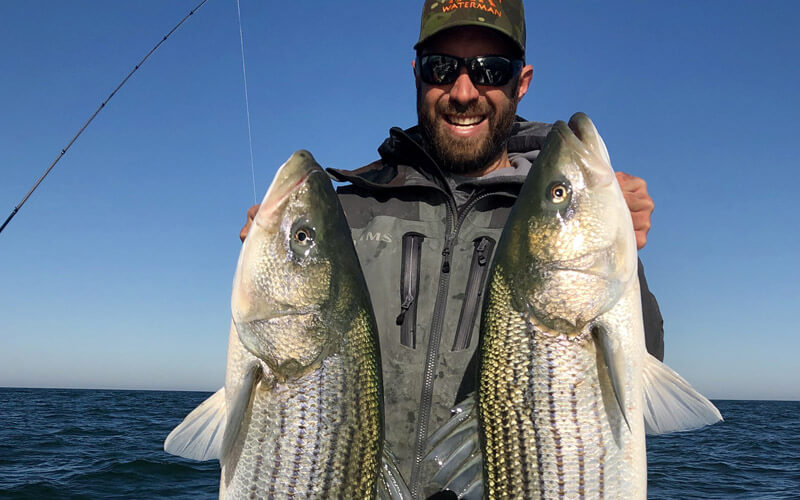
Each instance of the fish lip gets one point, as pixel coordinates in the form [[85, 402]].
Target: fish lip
[[588, 147], [273, 201], [269, 207]]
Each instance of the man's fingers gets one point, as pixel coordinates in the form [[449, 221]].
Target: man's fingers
[[252, 211], [641, 239], [641, 226], [641, 221], [639, 202], [251, 214]]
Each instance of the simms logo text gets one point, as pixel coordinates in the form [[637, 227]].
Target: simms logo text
[[370, 236]]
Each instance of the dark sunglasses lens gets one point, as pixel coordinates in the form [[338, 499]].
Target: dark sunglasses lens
[[439, 69], [490, 70]]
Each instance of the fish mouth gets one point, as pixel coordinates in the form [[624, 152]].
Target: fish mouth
[[290, 177], [585, 131], [588, 149]]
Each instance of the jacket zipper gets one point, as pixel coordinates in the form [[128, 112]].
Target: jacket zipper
[[478, 269], [409, 288], [455, 219]]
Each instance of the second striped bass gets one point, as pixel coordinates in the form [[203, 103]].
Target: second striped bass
[[567, 389]]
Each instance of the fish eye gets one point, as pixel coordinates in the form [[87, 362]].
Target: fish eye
[[304, 235], [300, 239], [558, 193]]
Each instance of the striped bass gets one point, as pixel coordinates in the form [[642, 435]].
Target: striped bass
[[566, 387], [300, 415]]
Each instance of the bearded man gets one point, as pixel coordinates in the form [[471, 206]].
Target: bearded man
[[426, 216]]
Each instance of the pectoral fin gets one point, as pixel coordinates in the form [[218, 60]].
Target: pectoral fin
[[210, 430], [238, 399], [199, 436], [614, 359], [670, 403]]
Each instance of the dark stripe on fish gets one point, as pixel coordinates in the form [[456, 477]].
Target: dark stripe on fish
[[276, 454], [315, 453], [347, 462], [300, 444], [522, 426], [538, 440], [259, 457], [551, 404], [573, 398], [336, 410], [503, 438]]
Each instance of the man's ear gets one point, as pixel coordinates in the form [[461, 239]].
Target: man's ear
[[525, 78]]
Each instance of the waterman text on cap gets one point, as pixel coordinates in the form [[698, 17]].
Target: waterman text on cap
[[505, 16]]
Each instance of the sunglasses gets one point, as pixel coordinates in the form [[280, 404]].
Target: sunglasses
[[494, 71]]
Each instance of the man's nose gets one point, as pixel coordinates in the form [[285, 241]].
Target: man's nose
[[463, 90]]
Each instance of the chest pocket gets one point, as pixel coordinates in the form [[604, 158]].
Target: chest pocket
[[409, 288], [473, 295]]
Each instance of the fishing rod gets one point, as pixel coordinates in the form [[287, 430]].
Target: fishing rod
[[97, 111]]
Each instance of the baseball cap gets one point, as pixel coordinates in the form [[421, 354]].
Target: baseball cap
[[505, 16]]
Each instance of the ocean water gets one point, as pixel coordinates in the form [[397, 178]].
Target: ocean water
[[64, 443]]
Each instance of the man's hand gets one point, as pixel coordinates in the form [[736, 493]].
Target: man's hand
[[251, 214], [639, 203]]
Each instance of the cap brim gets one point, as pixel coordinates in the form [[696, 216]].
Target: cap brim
[[422, 41]]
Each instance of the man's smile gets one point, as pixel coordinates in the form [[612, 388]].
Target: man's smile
[[465, 124]]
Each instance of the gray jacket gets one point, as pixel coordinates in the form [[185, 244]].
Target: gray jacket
[[425, 243]]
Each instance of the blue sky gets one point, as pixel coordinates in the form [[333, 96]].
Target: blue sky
[[117, 272]]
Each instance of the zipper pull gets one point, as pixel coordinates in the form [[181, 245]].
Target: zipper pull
[[446, 261], [481, 249], [404, 309]]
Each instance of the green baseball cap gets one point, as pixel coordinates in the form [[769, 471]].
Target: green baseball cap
[[505, 16]]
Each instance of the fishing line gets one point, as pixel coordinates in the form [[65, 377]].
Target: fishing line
[[97, 111], [247, 104]]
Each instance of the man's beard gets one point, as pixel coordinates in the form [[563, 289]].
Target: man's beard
[[465, 155]]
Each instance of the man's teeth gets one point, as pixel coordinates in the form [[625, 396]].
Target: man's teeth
[[464, 121]]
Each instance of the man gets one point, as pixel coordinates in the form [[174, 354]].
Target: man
[[425, 217]]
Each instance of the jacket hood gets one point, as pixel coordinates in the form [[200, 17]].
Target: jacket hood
[[405, 163]]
